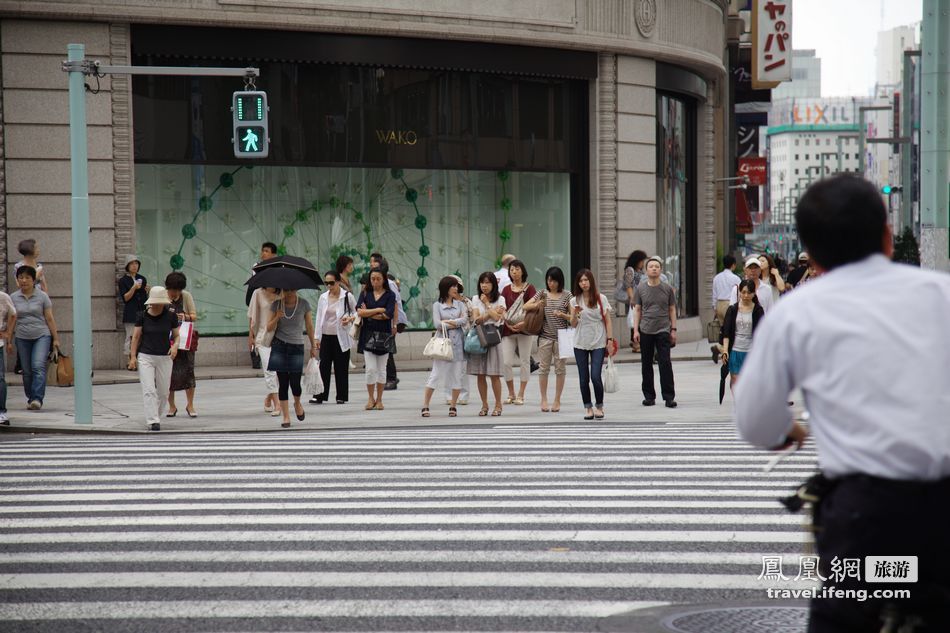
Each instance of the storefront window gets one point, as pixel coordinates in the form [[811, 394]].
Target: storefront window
[[676, 232], [427, 223]]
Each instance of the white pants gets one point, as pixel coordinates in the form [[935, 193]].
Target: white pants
[[270, 377], [448, 371], [155, 374], [375, 368], [521, 342], [463, 394], [127, 346]]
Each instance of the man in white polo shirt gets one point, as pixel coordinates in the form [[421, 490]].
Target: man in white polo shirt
[[763, 292], [873, 368]]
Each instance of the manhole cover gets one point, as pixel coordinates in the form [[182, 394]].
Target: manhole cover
[[744, 620]]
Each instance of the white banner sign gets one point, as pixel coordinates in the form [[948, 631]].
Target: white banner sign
[[771, 42]]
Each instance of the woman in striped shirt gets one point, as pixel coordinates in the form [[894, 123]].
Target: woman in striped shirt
[[555, 303]]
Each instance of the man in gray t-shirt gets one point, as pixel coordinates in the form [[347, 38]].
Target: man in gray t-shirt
[[654, 328]]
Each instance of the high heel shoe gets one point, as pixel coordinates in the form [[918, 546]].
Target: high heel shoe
[[191, 414], [171, 414]]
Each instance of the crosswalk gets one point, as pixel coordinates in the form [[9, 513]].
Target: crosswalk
[[531, 528]]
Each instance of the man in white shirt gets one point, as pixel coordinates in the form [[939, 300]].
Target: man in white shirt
[[762, 291], [502, 273], [722, 286], [872, 366]]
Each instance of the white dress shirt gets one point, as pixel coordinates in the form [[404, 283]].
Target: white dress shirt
[[763, 292], [868, 345], [722, 286], [504, 280]]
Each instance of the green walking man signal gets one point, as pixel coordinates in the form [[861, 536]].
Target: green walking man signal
[[249, 134]]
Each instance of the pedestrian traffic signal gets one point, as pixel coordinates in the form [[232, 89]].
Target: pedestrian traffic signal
[[249, 124], [889, 189]]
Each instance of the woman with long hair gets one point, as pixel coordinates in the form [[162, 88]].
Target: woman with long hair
[[344, 267], [183, 369], [488, 309], [449, 311], [590, 315], [512, 341], [555, 302], [738, 326], [336, 310], [290, 317], [377, 308], [769, 276]]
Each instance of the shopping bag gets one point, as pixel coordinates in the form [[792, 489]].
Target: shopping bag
[[439, 348], [60, 369], [565, 342], [354, 331], [611, 379], [472, 344], [312, 381], [186, 333]]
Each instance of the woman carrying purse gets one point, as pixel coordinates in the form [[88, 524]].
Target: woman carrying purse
[[489, 312], [449, 315], [555, 304], [518, 293], [377, 307]]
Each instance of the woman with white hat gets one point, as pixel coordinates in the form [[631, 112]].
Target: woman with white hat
[[133, 290], [153, 350]]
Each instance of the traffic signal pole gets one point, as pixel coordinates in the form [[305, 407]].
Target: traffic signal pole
[[77, 68]]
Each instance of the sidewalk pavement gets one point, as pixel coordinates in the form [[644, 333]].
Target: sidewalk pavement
[[230, 399]]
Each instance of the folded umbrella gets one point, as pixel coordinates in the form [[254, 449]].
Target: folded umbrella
[[723, 374], [283, 278]]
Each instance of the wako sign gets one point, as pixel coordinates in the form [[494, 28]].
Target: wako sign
[[771, 42]]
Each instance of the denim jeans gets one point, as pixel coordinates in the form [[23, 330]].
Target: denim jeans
[[590, 365], [3, 380], [34, 356]]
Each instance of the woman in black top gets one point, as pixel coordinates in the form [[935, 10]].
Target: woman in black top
[[738, 326], [133, 290], [377, 308], [153, 350]]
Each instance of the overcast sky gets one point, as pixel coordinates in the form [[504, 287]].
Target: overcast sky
[[844, 34]]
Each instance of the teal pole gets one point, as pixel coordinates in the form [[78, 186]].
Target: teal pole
[[82, 287], [934, 137]]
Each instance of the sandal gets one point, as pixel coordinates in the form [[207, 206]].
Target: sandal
[[370, 405], [496, 413], [275, 413], [285, 425], [510, 400], [483, 412], [425, 412], [599, 416], [545, 408], [556, 407], [518, 400], [379, 406], [453, 411]]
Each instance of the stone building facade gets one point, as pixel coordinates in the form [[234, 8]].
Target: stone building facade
[[654, 109]]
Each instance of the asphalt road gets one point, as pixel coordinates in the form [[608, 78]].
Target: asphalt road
[[520, 527]]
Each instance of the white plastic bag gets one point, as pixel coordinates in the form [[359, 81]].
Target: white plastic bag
[[611, 379], [630, 318], [565, 343], [312, 381]]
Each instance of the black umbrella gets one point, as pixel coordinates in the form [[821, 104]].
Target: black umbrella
[[283, 278], [290, 261], [723, 374]]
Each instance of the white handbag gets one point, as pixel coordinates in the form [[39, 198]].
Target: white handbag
[[611, 379], [439, 348], [565, 342]]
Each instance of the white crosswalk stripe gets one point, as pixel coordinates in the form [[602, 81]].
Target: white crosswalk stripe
[[505, 528]]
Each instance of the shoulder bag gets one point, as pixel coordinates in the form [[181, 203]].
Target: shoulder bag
[[354, 330], [515, 313], [534, 321], [439, 348], [488, 334], [472, 344], [380, 343]]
